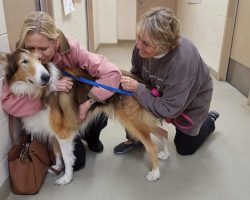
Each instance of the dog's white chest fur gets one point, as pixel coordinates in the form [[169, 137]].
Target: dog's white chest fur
[[39, 123]]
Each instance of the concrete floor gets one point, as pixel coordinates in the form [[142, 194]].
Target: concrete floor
[[220, 170]]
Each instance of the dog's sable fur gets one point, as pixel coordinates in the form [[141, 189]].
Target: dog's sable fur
[[25, 75]]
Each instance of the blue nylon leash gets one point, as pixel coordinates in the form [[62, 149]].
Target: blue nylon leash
[[99, 85]]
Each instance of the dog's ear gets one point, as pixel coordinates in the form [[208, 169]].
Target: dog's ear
[[8, 65], [3, 63]]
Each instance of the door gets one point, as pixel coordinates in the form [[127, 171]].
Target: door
[[239, 61], [144, 5]]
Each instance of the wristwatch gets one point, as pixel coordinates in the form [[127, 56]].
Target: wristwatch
[[92, 102]]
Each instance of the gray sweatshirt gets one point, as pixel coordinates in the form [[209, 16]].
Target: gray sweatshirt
[[181, 77]]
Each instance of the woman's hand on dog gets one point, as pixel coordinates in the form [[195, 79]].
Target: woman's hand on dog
[[65, 84], [83, 110], [129, 83]]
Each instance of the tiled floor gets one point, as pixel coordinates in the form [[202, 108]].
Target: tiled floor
[[220, 170]]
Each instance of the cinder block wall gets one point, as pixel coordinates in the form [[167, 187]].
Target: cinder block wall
[[5, 142], [204, 24]]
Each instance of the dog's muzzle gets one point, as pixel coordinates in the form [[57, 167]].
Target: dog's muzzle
[[45, 79]]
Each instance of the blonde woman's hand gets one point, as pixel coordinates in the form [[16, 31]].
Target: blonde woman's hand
[[65, 84], [129, 83], [83, 110]]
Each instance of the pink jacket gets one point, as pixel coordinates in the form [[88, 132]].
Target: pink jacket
[[71, 54]]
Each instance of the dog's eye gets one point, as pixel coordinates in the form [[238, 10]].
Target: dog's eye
[[25, 61]]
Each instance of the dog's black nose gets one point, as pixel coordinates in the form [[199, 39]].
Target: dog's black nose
[[45, 78]]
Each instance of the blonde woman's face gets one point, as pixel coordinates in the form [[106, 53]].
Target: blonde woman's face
[[44, 48], [145, 46]]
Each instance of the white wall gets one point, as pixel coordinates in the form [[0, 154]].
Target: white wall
[[5, 143], [107, 21], [74, 24], [113, 20], [204, 24], [104, 22], [126, 19]]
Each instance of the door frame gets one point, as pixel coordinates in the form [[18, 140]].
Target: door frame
[[45, 6], [90, 25], [232, 8]]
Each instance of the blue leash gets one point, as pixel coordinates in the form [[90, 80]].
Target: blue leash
[[93, 83]]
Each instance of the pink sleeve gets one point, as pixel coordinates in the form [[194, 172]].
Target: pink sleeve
[[97, 66], [19, 106]]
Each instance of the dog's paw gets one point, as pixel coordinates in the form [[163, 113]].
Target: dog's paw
[[163, 155], [56, 167], [63, 180], [153, 175]]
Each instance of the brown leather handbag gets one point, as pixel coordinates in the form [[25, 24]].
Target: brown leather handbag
[[28, 162]]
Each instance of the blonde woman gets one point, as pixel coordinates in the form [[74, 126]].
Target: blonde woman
[[40, 35], [177, 86]]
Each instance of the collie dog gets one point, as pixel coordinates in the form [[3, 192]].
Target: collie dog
[[25, 75]]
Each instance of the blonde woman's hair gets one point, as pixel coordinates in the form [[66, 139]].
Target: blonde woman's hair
[[162, 28], [37, 22]]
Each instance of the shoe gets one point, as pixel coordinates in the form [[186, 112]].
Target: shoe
[[79, 153], [124, 148], [213, 115], [95, 146]]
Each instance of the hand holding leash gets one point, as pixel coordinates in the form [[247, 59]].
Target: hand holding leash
[[129, 83]]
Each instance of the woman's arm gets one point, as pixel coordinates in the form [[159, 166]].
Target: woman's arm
[[19, 106], [99, 67]]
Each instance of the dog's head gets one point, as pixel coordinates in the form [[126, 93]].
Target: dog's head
[[23, 67]]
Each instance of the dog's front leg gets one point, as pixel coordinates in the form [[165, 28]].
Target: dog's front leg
[[67, 149], [58, 156]]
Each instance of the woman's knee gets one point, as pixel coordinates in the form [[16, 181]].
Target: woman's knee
[[185, 150], [184, 144]]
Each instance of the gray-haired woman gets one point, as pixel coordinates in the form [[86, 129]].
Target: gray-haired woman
[[177, 85]]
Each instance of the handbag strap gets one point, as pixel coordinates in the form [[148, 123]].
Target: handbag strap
[[11, 129], [53, 169], [43, 162]]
